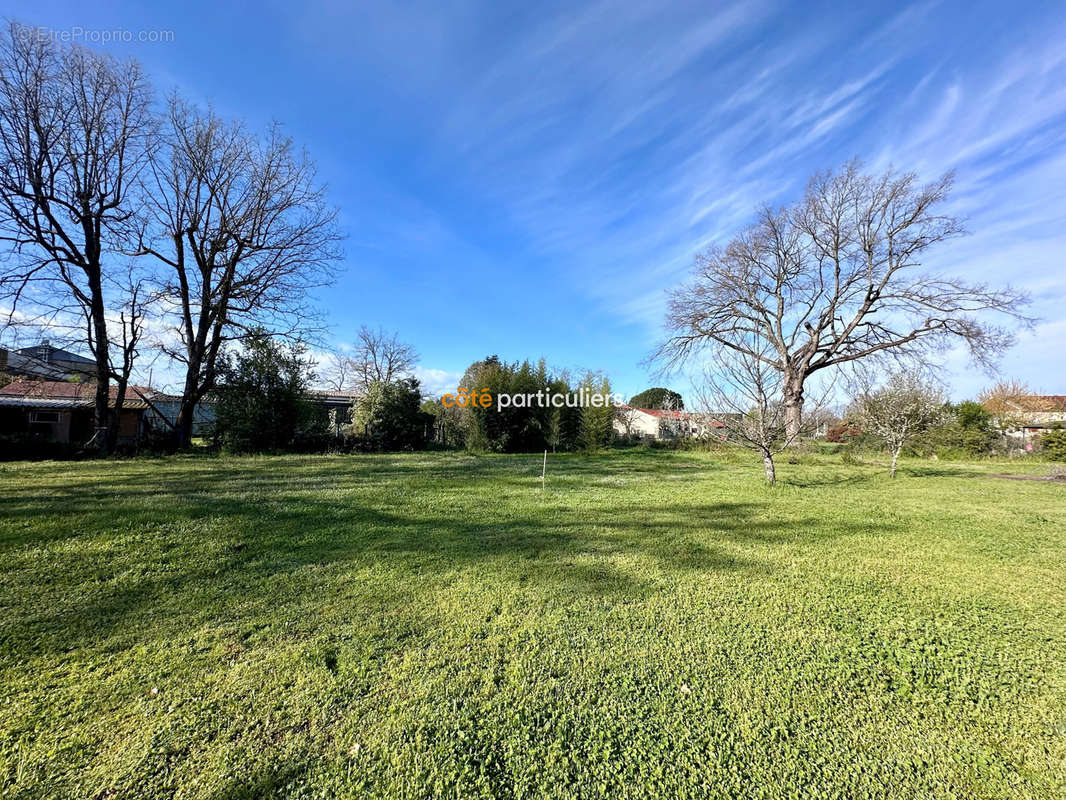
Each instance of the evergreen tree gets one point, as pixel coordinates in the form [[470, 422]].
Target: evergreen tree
[[597, 423], [389, 416], [657, 397], [262, 400]]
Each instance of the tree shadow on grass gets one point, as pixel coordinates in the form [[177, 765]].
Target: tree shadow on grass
[[229, 546], [191, 488], [289, 555], [940, 472], [266, 781], [827, 480]]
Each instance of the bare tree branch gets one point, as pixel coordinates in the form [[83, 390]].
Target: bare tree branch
[[379, 357], [834, 279], [242, 228], [74, 133]]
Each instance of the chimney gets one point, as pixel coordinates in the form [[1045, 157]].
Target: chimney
[[3, 358]]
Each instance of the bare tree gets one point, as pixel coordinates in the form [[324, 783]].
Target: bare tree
[[741, 391], [904, 407], [74, 130], [243, 228], [336, 372], [1008, 402], [626, 416], [834, 279], [380, 357]]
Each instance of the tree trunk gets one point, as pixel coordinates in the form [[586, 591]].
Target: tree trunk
[[793, 400], [895, 458], [183, 427], [768, 465], [103, 365], [115, 423]]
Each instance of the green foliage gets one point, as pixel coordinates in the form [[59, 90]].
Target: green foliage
[[447, 424], [848, 458], [597, 428], [655, 625], [972, 416], [519, 429], [953, 440], [967, 431], [657, 397], [389, 416], [262, 401], [1053, 444]]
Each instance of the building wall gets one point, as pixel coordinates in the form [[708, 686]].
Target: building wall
[[39, 424], [640, 424], [203, 416]]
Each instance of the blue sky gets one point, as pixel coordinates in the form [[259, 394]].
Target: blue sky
[[528, 179]]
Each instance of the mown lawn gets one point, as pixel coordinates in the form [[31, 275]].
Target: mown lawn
[[431, 625]]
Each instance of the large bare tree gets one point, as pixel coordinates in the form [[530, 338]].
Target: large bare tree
[[74, 131], [242, 225], [836, 278], [1010, 402], [379, 357]]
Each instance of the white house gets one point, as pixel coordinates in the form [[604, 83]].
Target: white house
[[659, 423], [1032, 415]]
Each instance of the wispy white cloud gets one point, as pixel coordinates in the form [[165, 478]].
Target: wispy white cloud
[[615, 139], [436, 382]]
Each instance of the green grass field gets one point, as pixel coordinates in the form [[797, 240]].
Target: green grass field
[[431, 625]]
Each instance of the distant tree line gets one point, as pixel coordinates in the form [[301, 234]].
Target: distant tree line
[[533, 428]]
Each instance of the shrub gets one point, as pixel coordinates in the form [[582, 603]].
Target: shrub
[[1053, 444], [954, 440], [21, 447], [842, 432], [262, 401], [390, 416]]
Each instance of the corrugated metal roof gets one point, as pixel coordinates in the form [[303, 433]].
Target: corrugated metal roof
[[43, 402]]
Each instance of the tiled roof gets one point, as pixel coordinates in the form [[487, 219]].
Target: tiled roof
[[1040, 402], [669, 413], [65, 390]]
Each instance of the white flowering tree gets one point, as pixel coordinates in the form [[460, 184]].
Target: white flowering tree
[[902, 408]]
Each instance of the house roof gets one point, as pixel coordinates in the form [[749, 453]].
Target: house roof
[[47, 353], [18, 364], [667, 413], [42, 402], [73, 394], [670, 413], [330, 396], [1039, 402], [7, 401]]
